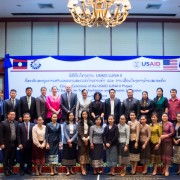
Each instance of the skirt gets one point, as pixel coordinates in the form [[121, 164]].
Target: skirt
[[134, 153], [111, 156], [38, 155], [145, 154], [166, 155], [69, 155], [123, 157], [155, 154], [176, 159], [83, 153], [52, 155], [97, 156]]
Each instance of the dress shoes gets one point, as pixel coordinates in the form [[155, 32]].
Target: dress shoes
[[6, 173], [11, 172], [22, 173], [29, 172]]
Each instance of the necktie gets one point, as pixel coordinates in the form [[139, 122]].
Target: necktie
[[29, 103], [27, 131], [69, 96], [13, 103]]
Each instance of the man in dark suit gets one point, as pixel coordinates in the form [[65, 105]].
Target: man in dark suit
[[8, 142], [27, 104], [2, 107], [130, 104], [68, 102], [112, 106], [12, 104], [24, 138], [41, 107]]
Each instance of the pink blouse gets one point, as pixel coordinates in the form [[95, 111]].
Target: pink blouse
[[54, 103], [168, 129]]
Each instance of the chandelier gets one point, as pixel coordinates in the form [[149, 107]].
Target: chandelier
[[108, 13]]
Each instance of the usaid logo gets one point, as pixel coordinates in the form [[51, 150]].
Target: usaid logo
[[151, 64], [136, 64]]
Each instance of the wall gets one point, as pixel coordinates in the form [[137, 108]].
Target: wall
[[68, 38]]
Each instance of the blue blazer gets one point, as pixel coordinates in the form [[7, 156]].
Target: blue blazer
[[67, 133]]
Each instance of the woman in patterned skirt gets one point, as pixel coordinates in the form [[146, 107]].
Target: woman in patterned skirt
[[176, 140], [69, 143], [83, 141], [145, 136], [123, 149], [96, 145], [156, 132], [166, 143], [110, 139], [134, 147], [54, 143]]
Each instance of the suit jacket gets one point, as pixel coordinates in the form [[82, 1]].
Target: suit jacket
[[41, 107], [9, 106], [67, 134], [22, 135], [23, 107], [129, 106], [5, 132], [117, 109], [2, 115], [65, 106]]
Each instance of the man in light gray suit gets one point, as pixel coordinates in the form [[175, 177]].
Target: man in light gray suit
[[68, 102], [41, 104]]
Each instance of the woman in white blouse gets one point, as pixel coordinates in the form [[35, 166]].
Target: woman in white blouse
[[39, 143], [83, 104]]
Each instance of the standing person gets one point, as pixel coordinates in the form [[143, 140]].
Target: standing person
[[112, 106], [173, 106], [41, 107], [176, 140], [8, 142], [155, 142], [53, 143], [12, 103], [2, 108], [146, 106], [83, 104], [161, 103], [134, 147], [69, 144], [96, 145], [130, 104], [27, 104], [39, 144], [83, 141], [123, 149], [68, 102], [145, 136], [24, 138], [166, 141], [110, 139], [53, 104], [96, 107]]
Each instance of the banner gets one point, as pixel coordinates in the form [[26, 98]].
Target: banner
[[93, 73]]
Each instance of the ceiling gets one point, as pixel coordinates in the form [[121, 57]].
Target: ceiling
[[58, 8]]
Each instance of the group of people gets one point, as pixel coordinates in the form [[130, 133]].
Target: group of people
[[130, 131]]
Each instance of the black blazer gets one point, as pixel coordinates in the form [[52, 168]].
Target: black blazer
[[23, 107], [41, 107], [9, 107], [5, 132], [21, 134], [117, 109], [128, 106], [65, 106]]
